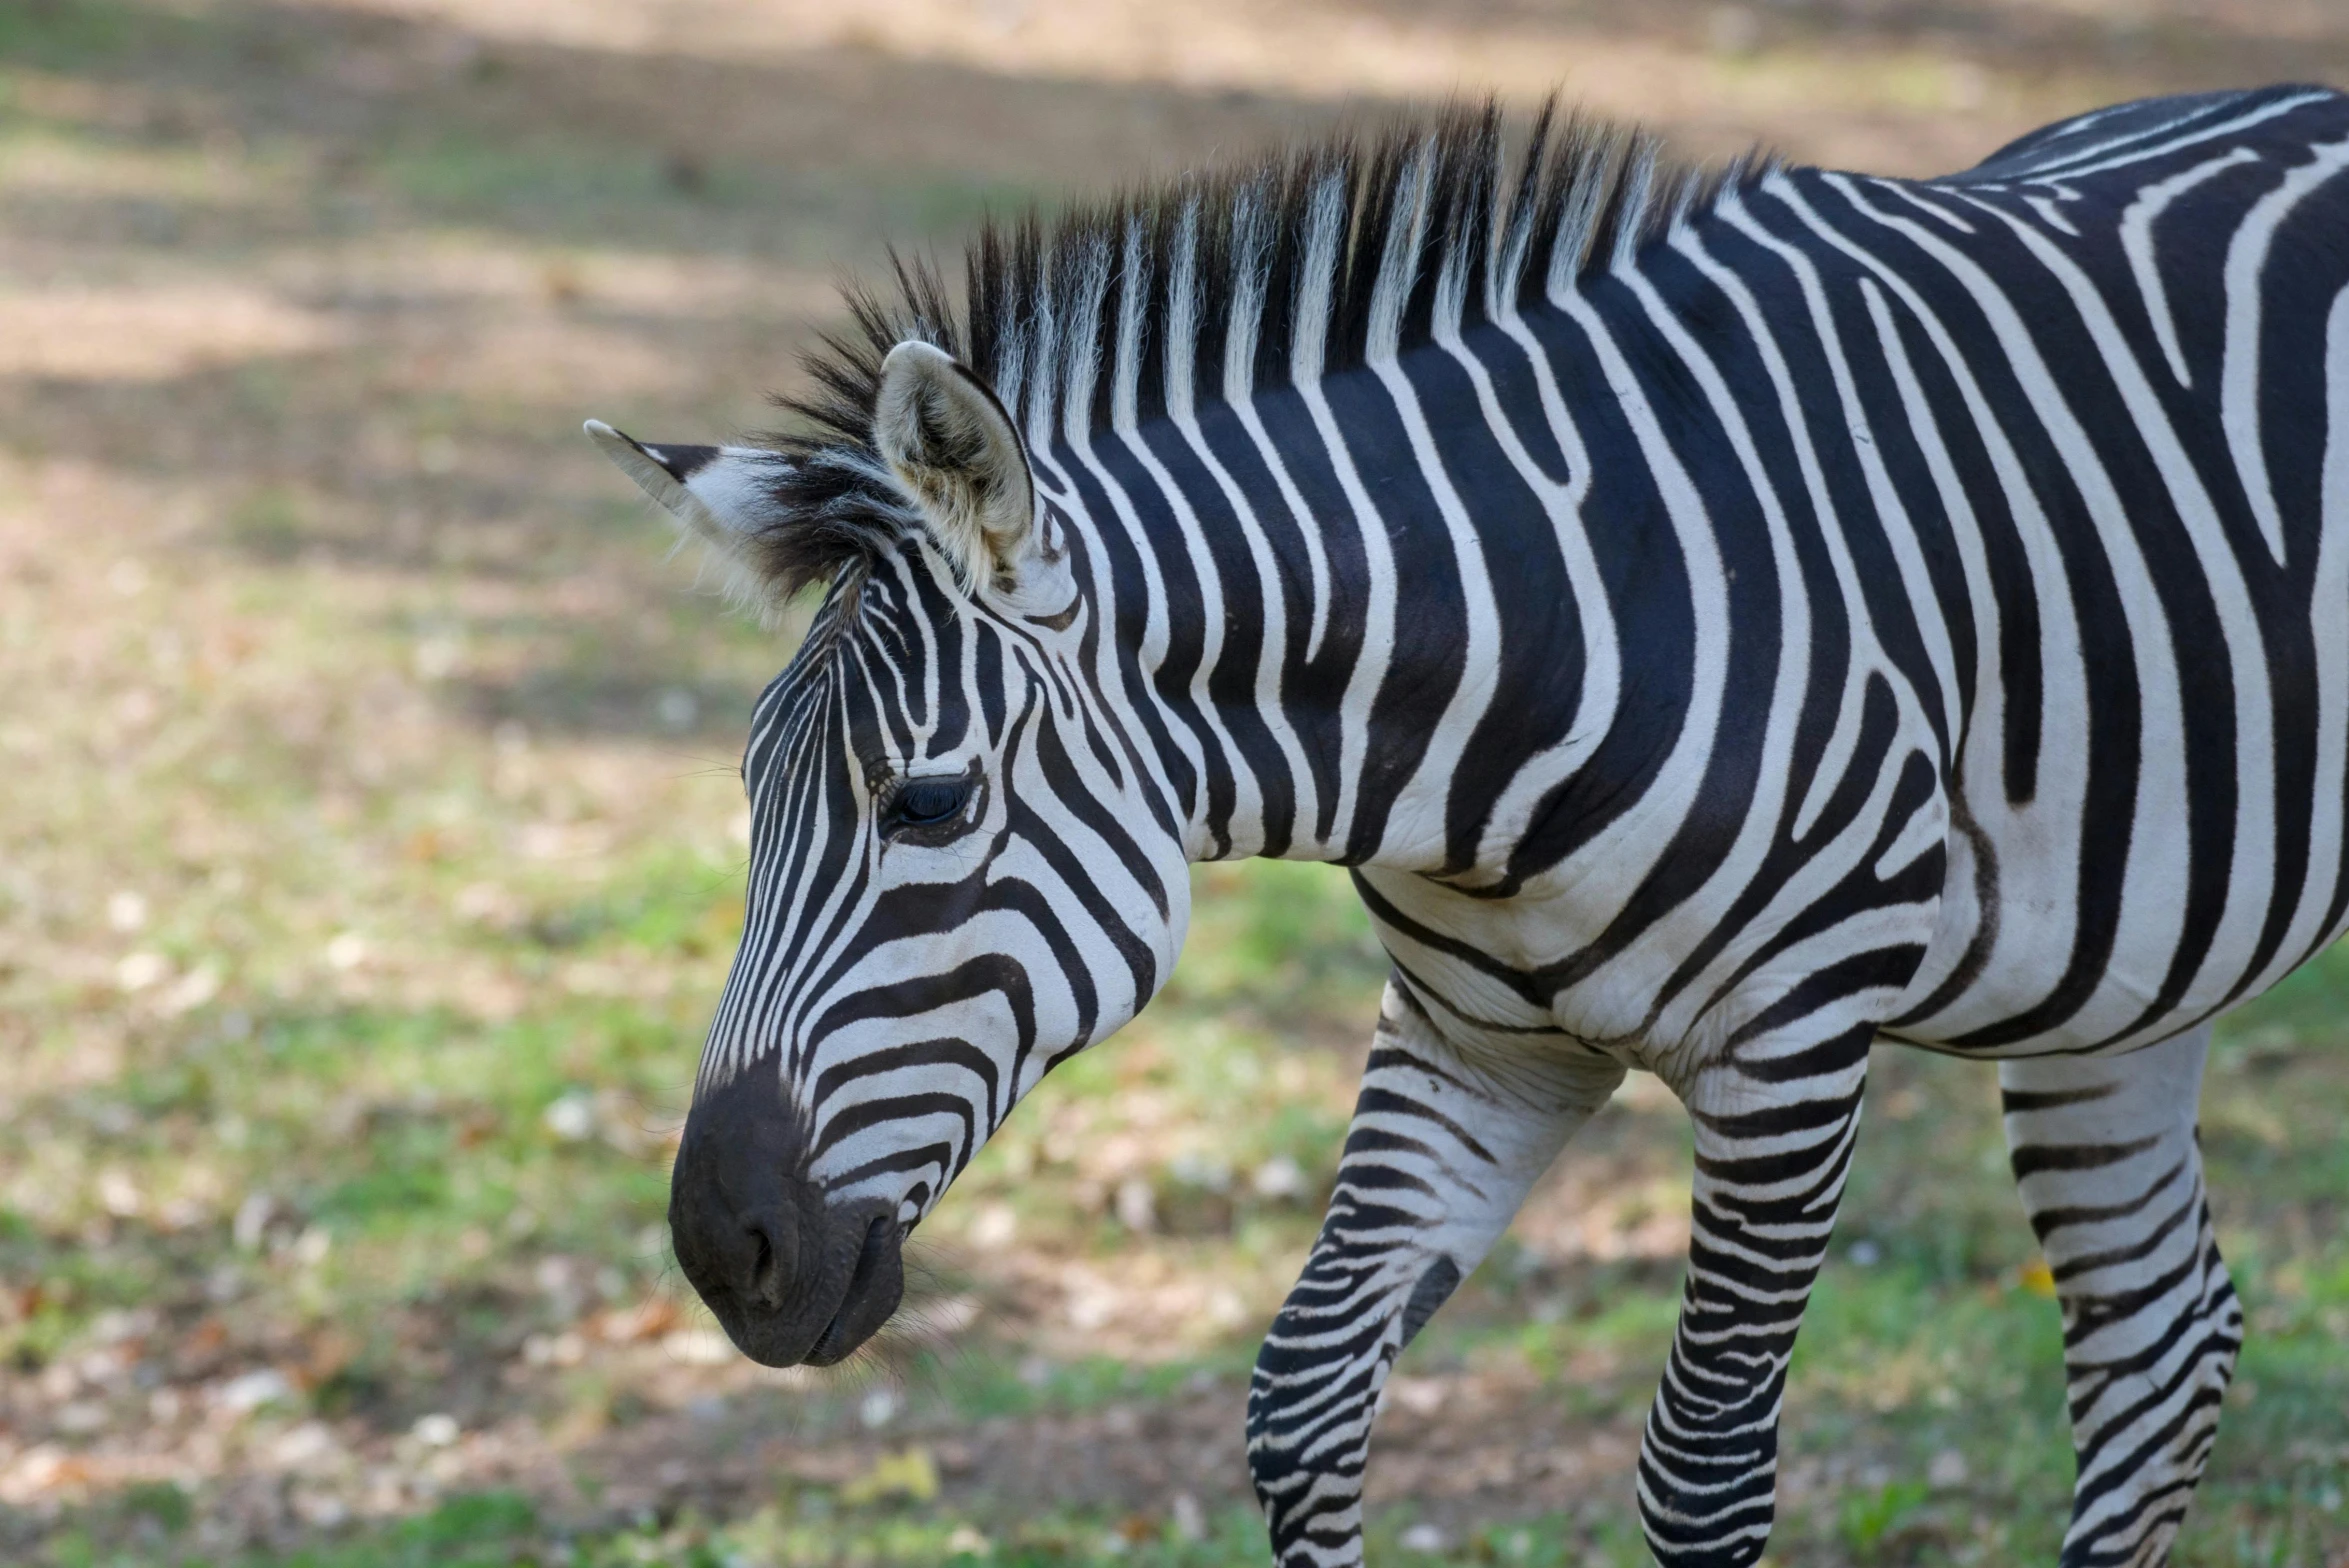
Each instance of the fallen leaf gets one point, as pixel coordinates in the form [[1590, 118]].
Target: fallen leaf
[[331, 1350], [648, 1319], [911, 1475]]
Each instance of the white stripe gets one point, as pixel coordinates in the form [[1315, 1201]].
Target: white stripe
[[1414, 835], [1602, 667], [1606, 869], [2069, 168], [2137, 242], [2042, 834], [2329, 630], [2152, 914], [2239, 386]]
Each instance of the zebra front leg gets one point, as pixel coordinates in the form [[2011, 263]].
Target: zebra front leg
[[1439, 1156], [2105, 1153], [1774, 1137]]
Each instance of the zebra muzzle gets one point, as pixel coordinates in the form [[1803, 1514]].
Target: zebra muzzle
[[791, 1277]]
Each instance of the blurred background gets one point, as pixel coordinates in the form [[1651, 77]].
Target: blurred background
[[370, 847]]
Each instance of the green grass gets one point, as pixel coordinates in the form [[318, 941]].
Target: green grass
[[502, 1530], [419, 1144], [400, 1134], [62, 34]]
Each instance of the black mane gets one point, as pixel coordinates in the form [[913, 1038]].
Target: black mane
[[1326, 254]]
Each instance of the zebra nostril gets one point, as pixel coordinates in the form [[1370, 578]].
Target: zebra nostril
[[770, 1269]]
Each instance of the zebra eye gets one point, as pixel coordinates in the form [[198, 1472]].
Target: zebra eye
[[925, 803]]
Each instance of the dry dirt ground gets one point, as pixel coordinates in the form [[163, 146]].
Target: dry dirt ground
[[339, 677]]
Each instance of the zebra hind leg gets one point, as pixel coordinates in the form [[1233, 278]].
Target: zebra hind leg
[[2104, 1150], [1438, 1158]]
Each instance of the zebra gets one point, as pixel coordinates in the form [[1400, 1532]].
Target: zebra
[[1722, 617]]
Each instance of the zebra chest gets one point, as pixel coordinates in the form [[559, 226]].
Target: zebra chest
[[1560, 972]]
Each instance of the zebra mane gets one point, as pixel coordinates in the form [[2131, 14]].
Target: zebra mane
[[1204, 288]]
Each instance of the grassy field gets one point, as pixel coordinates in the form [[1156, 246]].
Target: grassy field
[[370, 848]]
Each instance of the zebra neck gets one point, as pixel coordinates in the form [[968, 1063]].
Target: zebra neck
[[1307, 589]]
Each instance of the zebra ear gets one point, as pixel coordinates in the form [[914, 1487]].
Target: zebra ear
[[943, 433], [719, 494]]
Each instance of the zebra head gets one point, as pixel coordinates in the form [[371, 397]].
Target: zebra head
[[960, 869]]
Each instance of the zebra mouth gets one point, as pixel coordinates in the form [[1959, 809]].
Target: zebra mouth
[[875, 1286]]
